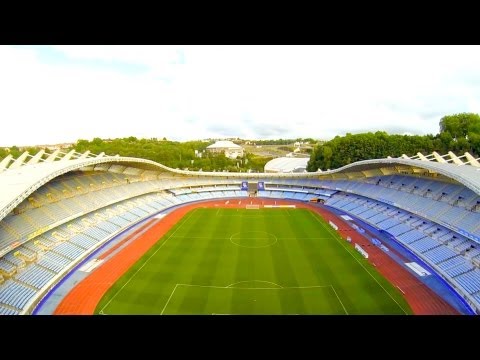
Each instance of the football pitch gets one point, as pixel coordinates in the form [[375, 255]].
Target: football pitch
[[252, 261]]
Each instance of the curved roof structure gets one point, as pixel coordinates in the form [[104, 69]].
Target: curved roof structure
[[20, 178], [19, 181], [286, 165], [466, 175]]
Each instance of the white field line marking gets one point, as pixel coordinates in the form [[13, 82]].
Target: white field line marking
[[338, 297], [347, 250], [255, 288], [141, 267], [242, 288], [254, 238], [247, 281], [228, 238], [169, 299]]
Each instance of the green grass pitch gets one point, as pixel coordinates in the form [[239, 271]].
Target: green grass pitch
[[259, 261]]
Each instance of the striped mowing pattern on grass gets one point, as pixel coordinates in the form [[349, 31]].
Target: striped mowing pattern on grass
[[226, 261]]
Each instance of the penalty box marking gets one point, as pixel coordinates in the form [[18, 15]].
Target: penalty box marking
[[254, 288]]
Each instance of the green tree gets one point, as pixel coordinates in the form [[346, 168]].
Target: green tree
[[15, 151], [460, 125], [3, 153]]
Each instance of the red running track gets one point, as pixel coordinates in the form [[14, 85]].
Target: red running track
[[84, 297]]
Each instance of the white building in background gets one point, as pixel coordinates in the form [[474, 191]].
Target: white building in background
[[287, 165], [230, 149]]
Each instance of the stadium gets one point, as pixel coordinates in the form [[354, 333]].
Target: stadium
[[82, 233]]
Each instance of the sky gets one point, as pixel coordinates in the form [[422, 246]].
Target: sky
[[58, 94]]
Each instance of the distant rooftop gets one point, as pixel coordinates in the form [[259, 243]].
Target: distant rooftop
[[224, 144]]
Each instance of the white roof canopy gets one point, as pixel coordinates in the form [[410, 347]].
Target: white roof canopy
[[19, 181]]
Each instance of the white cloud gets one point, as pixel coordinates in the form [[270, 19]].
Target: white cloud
[[193, 92]]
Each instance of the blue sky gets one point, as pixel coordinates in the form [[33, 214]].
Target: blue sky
[[53, 94]]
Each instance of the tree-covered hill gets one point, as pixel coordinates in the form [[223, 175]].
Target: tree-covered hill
[[173, 154], [459, 133]]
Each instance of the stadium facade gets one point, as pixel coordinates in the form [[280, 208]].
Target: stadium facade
[[56, 209]]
